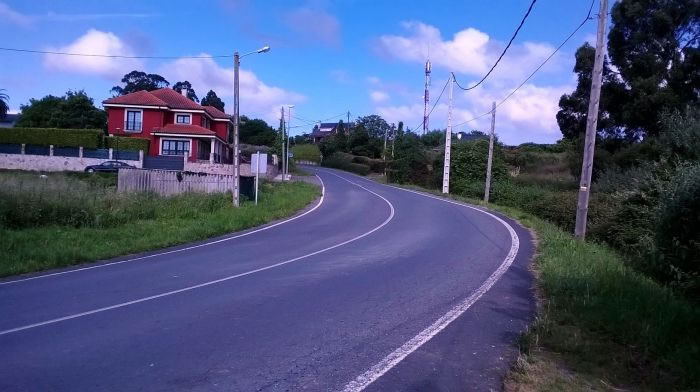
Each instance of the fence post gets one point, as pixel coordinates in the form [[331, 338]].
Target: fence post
[[111, 152], [184, 164], [23, 148], [50, 150], [80, 152], [141, 157]]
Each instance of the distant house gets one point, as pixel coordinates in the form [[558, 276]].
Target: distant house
[[323, 130], [174, 124], [9, 120]]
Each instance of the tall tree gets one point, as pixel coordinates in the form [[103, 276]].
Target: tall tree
[[211, 99], [374, 125], [179, 86], [73, 110], [137, 81], [257, 132], [4, 99]]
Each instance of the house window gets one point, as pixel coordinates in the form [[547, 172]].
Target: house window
[[133, 121], [204, 122], [175, 147], [183, 119]]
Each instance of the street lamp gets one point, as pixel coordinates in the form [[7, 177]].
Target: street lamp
[[289, 135], [236, 124]]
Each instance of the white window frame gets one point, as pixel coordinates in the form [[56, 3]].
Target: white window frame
[[189, 118], [174, 139], [126, 114]]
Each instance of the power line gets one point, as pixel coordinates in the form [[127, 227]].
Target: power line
[[515, 34], [588, 17], [112, 55], [434, 105]]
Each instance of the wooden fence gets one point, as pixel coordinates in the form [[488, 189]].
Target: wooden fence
[[167, 182]]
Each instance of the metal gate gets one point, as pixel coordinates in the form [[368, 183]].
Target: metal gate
[[174, 162]]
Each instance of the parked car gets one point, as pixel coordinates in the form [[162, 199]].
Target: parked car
[[107, 167]]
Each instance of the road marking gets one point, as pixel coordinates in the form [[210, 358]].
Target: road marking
[[398, 355], [323, 193], [197, 286]]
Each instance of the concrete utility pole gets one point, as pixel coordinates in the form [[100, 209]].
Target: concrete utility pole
[[487, 188], [289, 136], [236, 125], [282, 137], [591, 126], [448, 140], [386, 131]]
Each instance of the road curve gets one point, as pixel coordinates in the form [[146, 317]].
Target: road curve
[[374, 288]]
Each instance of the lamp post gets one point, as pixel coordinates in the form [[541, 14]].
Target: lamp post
[[236, 125], [289, 136]]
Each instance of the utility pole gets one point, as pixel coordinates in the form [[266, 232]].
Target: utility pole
[[591, 126], [386, 131], [426, 97], [282, 140], [487, 188], [289, 136], [236, 125], [448, 141]]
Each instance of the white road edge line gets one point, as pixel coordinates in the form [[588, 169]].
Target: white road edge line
[[323, 193], [197, 286], [398, 355]]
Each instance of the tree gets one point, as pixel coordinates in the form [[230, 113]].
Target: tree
[[213, 100], [179, 86], [73, 110], [410, 164], [4, 99], [137, 81], [654, 44], [434, 138], [374, 125], [256, 132]]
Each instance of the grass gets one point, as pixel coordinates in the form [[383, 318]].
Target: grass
[[306, 152], [100, 230]]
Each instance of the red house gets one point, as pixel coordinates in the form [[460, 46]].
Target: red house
[[174, 124]]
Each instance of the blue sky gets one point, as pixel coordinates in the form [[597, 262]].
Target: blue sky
[[326, 58]]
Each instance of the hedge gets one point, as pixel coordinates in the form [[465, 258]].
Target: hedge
[[88, 138], [127, 143], [341, 161]]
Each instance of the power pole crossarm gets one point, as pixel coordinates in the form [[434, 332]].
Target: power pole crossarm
[[591, 125]]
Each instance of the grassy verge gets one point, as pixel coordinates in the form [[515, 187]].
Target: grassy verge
[[600, 324], [67, 220]]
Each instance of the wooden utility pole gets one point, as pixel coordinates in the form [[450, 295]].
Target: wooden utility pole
[[487, 188], [448, 141], [591, 125]]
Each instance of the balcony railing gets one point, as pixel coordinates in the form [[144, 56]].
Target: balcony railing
[[132, 126]]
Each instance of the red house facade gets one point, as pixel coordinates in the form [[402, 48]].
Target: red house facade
[[174, 124]]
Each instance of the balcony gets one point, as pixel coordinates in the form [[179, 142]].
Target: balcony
[[132, 126]]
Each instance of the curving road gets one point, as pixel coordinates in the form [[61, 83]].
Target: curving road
[[372, 288]]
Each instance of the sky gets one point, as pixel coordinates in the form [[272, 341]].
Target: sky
[[326, 57]]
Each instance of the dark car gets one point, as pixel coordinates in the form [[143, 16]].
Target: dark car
[[107, 167]]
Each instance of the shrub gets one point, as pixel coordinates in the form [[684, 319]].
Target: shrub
[[469, 161], [127, 143], [88, 138], [343, 161], [306, 152]]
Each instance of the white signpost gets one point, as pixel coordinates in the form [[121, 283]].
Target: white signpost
[[258, 164]]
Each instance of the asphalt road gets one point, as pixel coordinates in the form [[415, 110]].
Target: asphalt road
[[372, 288]]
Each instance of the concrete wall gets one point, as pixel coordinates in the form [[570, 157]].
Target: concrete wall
[[52, 163]]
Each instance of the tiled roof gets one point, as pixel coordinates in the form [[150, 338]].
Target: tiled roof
[[164, 97], [214, 112], [142, 97], [175, 100], [187, 129]]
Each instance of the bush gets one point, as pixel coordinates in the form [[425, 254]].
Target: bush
[[88, 138], [343, 161], [469, 161], [306, 152], [127, 143]]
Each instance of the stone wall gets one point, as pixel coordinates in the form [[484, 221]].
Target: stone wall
[[220, 168], [52, 163]]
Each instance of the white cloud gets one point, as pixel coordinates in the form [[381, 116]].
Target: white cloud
[[257, 98], [378, 96], [469, 52], [315, 24], [373, 80], [8, 14], [94, 42]]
